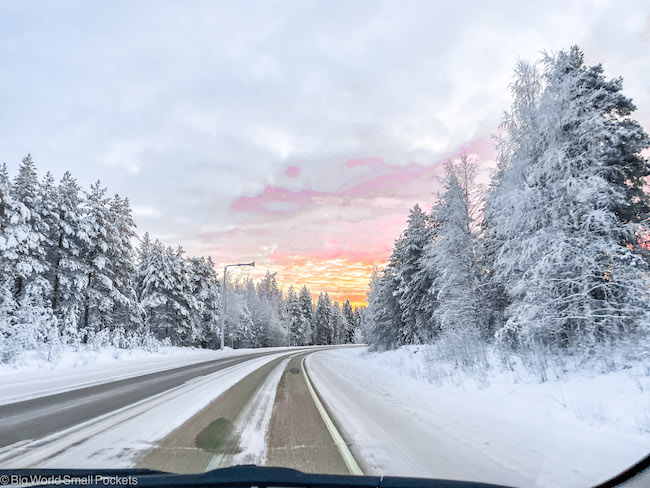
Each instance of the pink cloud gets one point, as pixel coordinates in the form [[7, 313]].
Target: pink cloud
[[267, 201], [330, 233], [369, 162], [292, 171]]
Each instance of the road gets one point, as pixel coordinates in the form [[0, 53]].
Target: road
[[38, 417], [303, 408], [255, 408]]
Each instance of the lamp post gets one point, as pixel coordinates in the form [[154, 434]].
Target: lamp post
[[223, 296]]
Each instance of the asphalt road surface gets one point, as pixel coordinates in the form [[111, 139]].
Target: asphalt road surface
[[38, 417]]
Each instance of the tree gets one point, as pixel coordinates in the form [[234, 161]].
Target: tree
[[127, 311], [338, 324], [294, 317], [306, 316], [30, 263], [516, 147], [414, 279], [67, 240], [323, 320], [98, 301], [272, 330], [349, 322], [452, 255], [572, 275], [204, 286], [383, 317]]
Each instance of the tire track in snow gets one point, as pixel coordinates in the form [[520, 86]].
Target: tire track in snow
[[252, 425]]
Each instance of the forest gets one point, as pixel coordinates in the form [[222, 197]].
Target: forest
[[70, 274], [550, 260]]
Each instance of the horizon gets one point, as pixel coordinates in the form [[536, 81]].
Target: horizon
[[292, 134]]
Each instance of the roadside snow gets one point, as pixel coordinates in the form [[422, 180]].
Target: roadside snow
[[576, 431], [87, 367]]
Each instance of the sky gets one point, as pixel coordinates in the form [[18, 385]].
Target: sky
[[293, 133]]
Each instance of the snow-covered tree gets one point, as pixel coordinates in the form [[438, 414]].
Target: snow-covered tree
[[567, 260], [414, 279], [349, 322], [67, 240], [30, 263], [239, 327], [306, 316], [294, 317], [338, 324], [166, 296], [204, 286], [452, 256], [272, 331], [323, 321], [383, 318], [516, 146], [98, 301], [127, 312]]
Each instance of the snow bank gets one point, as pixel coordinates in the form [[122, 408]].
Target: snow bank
[[618, 399]]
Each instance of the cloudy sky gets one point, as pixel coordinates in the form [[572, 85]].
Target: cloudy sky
[[293, 133]]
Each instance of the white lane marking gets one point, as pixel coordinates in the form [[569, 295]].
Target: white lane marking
[[350, 462]]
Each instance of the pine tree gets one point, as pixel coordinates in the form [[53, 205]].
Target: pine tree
[[127, 312], [294, 317], [239, 327], [67, 241], [272, 331], [383, 317], [306, 315], [30, 263], [452, 255], [573, 276], [323, 320], [184, 305], [415, 279], [98, 301], [338, 324], [516, 147], [204, 286], [349, 322]]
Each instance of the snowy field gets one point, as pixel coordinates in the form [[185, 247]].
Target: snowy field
[[574, 431]]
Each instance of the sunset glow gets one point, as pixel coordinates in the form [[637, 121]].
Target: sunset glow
[[328, 229]]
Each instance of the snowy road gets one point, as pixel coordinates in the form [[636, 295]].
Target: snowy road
[[262, 408], [41, 431], [35, 418], [397, 425]]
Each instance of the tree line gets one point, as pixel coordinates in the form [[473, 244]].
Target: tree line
[[70, 274], [553, 255]]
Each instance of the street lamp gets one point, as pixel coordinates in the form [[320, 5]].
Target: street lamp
[[223, 296]]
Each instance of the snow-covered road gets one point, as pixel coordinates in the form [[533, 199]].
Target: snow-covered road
[[394, 424], [397, 425]]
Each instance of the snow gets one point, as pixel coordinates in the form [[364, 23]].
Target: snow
[[117, 438], [86, 367], [252, 425], [575, 431]]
